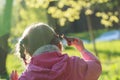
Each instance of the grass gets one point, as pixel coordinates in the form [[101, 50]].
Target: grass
[[85, 35], [109, 55], [14, 63]]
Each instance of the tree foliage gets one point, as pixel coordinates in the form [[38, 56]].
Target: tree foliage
[[26, 15], [70, 10], [5, 27], [6, 15]]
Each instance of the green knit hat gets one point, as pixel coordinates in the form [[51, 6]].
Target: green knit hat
[[37, 35]]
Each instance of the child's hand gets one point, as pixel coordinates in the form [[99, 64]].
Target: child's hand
[[76, 42], [14, 75]]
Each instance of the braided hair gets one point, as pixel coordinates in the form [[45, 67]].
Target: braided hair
[[35, 36], [21, 50]]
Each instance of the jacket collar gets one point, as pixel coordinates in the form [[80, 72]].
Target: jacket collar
[[46, 48]]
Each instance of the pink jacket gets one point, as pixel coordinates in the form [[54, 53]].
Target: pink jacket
[[56, 66]]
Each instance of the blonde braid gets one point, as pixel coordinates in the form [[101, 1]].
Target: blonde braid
[[21, 51]]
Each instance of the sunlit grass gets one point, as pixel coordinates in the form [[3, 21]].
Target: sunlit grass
[[109, 55], [14, 63], [71, 51]]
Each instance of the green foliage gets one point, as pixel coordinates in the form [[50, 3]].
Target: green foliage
[[0, 19], [5, 22], [25, 17], [28, 16], [14, 63], [69, 10], [108, 18]]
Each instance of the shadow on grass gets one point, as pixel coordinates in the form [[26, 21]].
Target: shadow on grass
[[109, 53], [4, 77]]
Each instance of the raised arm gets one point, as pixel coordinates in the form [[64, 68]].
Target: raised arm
[[93, 69], [80, 46]]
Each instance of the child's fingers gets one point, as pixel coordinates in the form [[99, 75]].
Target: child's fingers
[[71, 41], [11, 76], [14, 75]]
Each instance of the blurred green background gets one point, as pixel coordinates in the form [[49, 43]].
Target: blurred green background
[[85, 19]]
